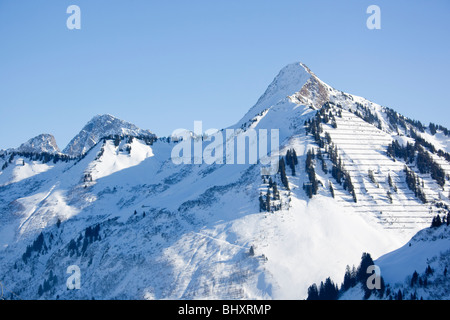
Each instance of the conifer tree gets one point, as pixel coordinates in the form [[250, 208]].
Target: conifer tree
[[276, 194], [293, 170], [432, 128], [429, 270], [294, 156], [436, 222], [282, 170], [389, 196], [348, 279], [331, 189], [414, 278], [390, 182], [313, 186], [355, 199], [291, 159], [366, 261], [313, 292], [372, 178], [268, 200], [116, 140], [328, 290], [262, 203]]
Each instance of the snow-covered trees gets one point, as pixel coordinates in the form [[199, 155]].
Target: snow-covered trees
[[407, 153], [282, 171], [331, 189], [349, 278], [328, 290], [426, 164], [48, 284], [424, 161], [322, 159], [414, 185], [291, 160], [436, 222], [91, 234], [262, 203], [268, 200], [372, 178], [432, 128], [390, 182], [313, 186], [38, 246], [272, 199], [352, 277], [389, 197]]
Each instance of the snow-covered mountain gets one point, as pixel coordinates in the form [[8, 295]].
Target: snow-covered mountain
[[295, 79], [428, 255], [416, 271], [40, 144], [356, 177], [43, 143], [101, 126]]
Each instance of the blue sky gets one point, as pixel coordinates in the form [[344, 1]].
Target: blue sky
[[163, 64]]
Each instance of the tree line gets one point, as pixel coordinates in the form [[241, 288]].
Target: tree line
[[272, 193], [328, 290]]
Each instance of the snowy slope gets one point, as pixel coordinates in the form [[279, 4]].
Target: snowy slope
[[427, 255], [169, 231], [424, 249]]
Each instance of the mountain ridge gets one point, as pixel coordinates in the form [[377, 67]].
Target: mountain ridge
[[99, 127], [141, 227], [41, 143]]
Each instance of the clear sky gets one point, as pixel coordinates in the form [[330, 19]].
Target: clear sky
[[163, 64]]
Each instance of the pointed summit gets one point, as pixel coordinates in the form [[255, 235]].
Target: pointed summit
[[295, 82], [99, 127], [39, 144], [289, 80]]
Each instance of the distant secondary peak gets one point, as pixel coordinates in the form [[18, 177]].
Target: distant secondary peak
[[39, 144], [98, 127]]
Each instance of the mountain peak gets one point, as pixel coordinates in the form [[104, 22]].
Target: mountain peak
[[294, 80], [103, 117], [39, 144], [98, 127], [289, 80], [295, 68]]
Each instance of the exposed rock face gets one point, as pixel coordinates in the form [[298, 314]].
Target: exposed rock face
[[41, 143], [99, 127]]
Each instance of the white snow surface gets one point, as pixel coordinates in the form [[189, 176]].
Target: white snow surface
[[185, 231], [425, 247]]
